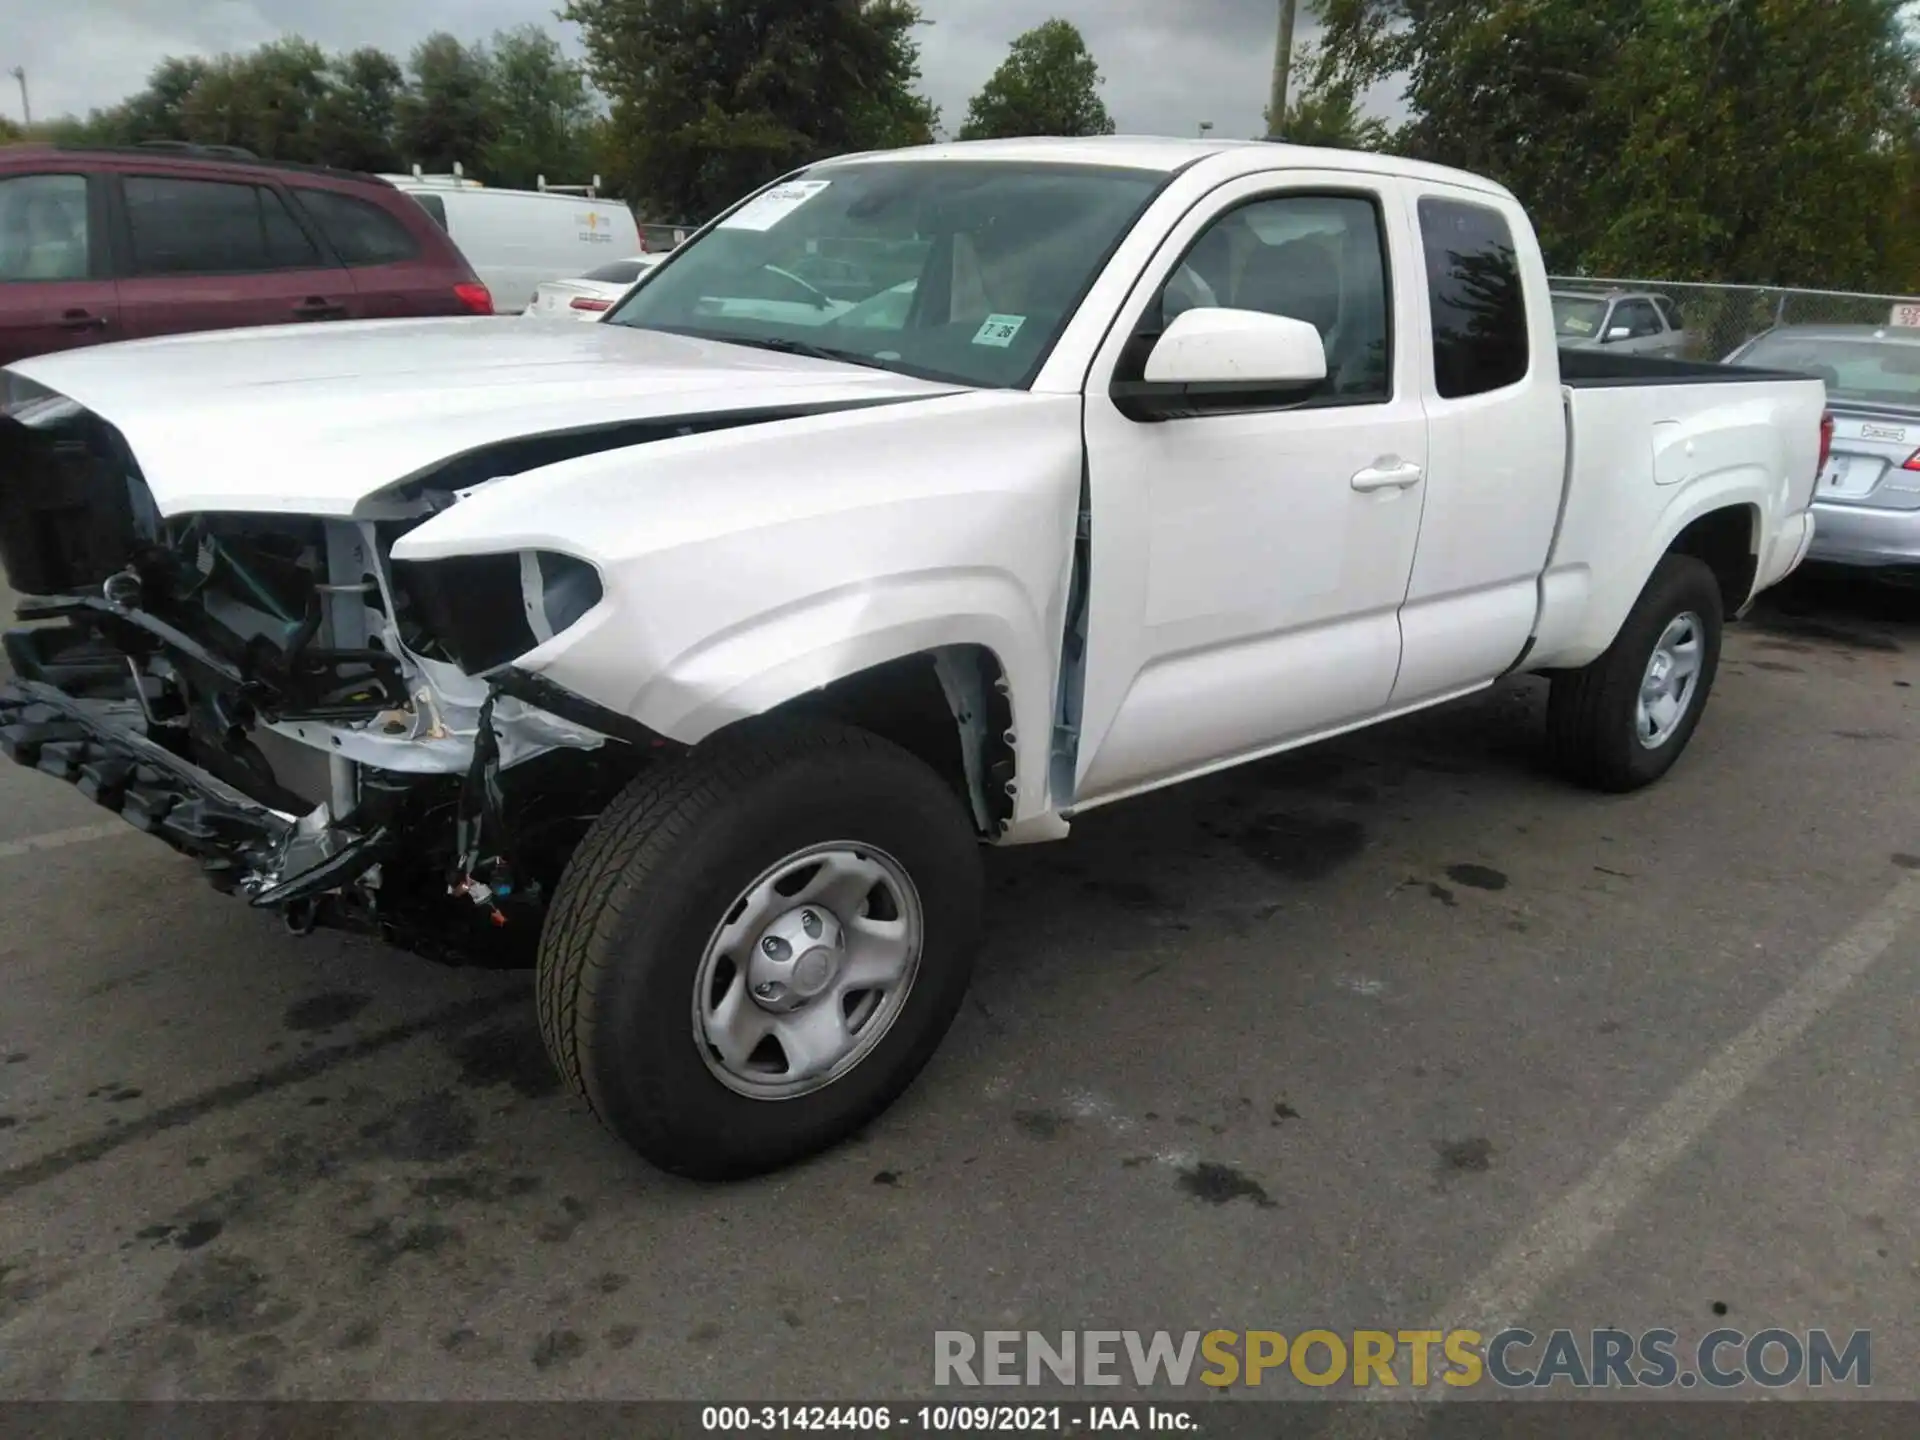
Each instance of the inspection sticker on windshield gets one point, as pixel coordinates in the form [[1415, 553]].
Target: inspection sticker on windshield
[[763, 212], [999, 330]]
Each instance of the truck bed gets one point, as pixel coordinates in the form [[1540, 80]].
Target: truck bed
[[1604, 369], [1653, 444]]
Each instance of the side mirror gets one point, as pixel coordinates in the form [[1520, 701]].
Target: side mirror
[[1619, 332], [1217, 360]]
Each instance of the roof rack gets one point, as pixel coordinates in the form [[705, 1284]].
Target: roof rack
[[458, 180], [228, 154], [592, 192], [188, 147]]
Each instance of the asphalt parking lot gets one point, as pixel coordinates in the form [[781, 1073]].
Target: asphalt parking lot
[[1390, 1032]]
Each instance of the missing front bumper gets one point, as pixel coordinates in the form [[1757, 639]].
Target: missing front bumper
[[100, 748]]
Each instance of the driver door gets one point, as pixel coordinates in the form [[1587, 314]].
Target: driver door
[[1248, 568]]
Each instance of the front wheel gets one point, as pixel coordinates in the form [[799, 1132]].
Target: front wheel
[[1621, 722], [757, 949]]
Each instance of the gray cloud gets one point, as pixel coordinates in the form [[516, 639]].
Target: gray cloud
[[1169, 64]]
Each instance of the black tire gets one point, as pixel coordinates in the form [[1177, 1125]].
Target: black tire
[[1592, 735], [657, 872]]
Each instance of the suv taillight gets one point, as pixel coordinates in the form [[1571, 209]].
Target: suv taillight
[[475, 296], [1826, 441]]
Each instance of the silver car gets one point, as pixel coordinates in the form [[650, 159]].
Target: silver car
[[1626, 322], [1867, 507]]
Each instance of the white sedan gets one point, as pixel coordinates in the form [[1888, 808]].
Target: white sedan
[[591, 295]]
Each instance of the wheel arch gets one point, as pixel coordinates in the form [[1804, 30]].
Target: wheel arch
[[950, 706], [1727, 540]]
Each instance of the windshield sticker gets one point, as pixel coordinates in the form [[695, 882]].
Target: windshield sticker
[[764, 212], [999, 330]]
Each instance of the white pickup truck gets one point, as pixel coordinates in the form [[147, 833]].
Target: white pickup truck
[[925, 499]]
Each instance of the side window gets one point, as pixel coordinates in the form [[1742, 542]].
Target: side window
[[43, 228], [360, 232], [1317, 258], [1670, 312], [1638, 316], [288, 246], [1480, 339], [212, 227]]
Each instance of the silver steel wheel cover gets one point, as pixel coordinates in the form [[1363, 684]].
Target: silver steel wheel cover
[[1671, 681], [807, 971]]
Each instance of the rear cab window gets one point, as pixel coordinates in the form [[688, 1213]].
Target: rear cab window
[[1478, 304], [45, 229], [178, 226], [360, 232], [620, 272], [1638, 317]]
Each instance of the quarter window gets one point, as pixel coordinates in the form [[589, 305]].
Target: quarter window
[[1480, 337], [360, 232]]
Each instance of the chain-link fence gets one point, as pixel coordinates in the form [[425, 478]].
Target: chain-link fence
[[1718, 319]]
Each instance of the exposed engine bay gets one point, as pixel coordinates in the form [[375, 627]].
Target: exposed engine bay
[[336, 736]]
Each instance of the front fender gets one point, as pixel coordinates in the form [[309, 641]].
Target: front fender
[[778, 658], [745, 569]]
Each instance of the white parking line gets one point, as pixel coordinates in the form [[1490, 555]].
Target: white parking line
[[1507, 1290], [60, 839]]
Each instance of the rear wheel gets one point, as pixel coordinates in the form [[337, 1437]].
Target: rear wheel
[[1622, 722], [754, 952]]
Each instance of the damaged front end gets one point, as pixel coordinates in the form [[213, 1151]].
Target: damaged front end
[[332, 735]]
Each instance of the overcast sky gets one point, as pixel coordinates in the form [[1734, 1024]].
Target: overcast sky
[[1169, 64]]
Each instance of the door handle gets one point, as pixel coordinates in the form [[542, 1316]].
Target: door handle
[[82, 320], [1390, 477], [319, 308]]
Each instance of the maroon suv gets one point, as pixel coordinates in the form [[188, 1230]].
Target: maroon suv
[[103, 244]]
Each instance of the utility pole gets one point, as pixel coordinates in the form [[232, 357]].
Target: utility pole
[[19, 73], [1282, 64]]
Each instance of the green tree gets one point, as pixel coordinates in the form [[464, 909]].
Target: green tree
[[1734, 140], [544, 111], [357, 116], [1047, 85], [450, 112], [266, 101], [1328, 114], [713, 98]]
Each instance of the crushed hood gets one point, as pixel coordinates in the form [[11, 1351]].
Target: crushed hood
[[312, 420]]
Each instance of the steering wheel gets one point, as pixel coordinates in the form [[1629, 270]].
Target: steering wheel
[[816, 297]]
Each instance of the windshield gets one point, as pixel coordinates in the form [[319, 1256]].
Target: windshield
[[1885, 372], [962, 271], [1578, 317]]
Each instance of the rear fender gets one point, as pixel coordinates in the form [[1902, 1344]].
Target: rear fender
[[1586, 598]]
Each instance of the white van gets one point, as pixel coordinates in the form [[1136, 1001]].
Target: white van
[[518, 239]]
